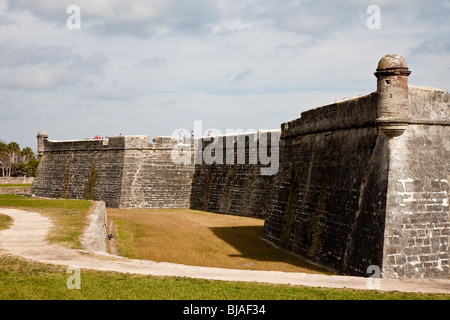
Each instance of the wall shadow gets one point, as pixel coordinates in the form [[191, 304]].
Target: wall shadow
[[247, 240]]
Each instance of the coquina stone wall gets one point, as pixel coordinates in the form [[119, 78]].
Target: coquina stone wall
[[329, 196], [151, 179], [125, 172], [86, 169], [417, 222], [240, 184]]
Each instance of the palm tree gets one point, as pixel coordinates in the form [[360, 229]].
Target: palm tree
[[14, 148], [27, 154], [14, 152], [9, 154], [14, 161], [3, 157]]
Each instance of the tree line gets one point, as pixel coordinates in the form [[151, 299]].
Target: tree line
[[16, 162]]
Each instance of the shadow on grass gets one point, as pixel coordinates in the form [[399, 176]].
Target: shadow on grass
[[247, 240]]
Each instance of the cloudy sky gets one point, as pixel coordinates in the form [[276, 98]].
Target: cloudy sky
[[149, 67]]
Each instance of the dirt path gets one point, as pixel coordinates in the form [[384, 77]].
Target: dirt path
[[26, 238]]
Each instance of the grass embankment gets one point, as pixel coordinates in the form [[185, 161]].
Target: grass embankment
[[25, 280], [28, 185], [200, 238], [69, 216], [5, 222]]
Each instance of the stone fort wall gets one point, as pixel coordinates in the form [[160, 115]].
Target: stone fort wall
[[236, 186], [359, 182], [417, 218], [81, 170], [125, 172], [329, 200], [352, 189]]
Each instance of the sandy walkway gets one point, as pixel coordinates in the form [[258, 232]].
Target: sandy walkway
[[26, 238]]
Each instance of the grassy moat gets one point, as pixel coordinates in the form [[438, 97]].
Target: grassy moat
[[181, 236]]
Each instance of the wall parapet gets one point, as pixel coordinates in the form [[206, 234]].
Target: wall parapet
[[347, 113], [427, 106], [111, 143]]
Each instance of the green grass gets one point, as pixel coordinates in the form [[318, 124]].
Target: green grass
[[24, 280], [201, 238], [69, 216], [5, 222], [27, 185]]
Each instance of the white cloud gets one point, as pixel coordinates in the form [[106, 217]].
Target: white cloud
[[34, 67], [148, 67], [242, 76], [152, 63], [113, 92], [439, 45], [37, 79], [12, 56]]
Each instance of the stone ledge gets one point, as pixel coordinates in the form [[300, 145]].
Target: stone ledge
[[16, 191]]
